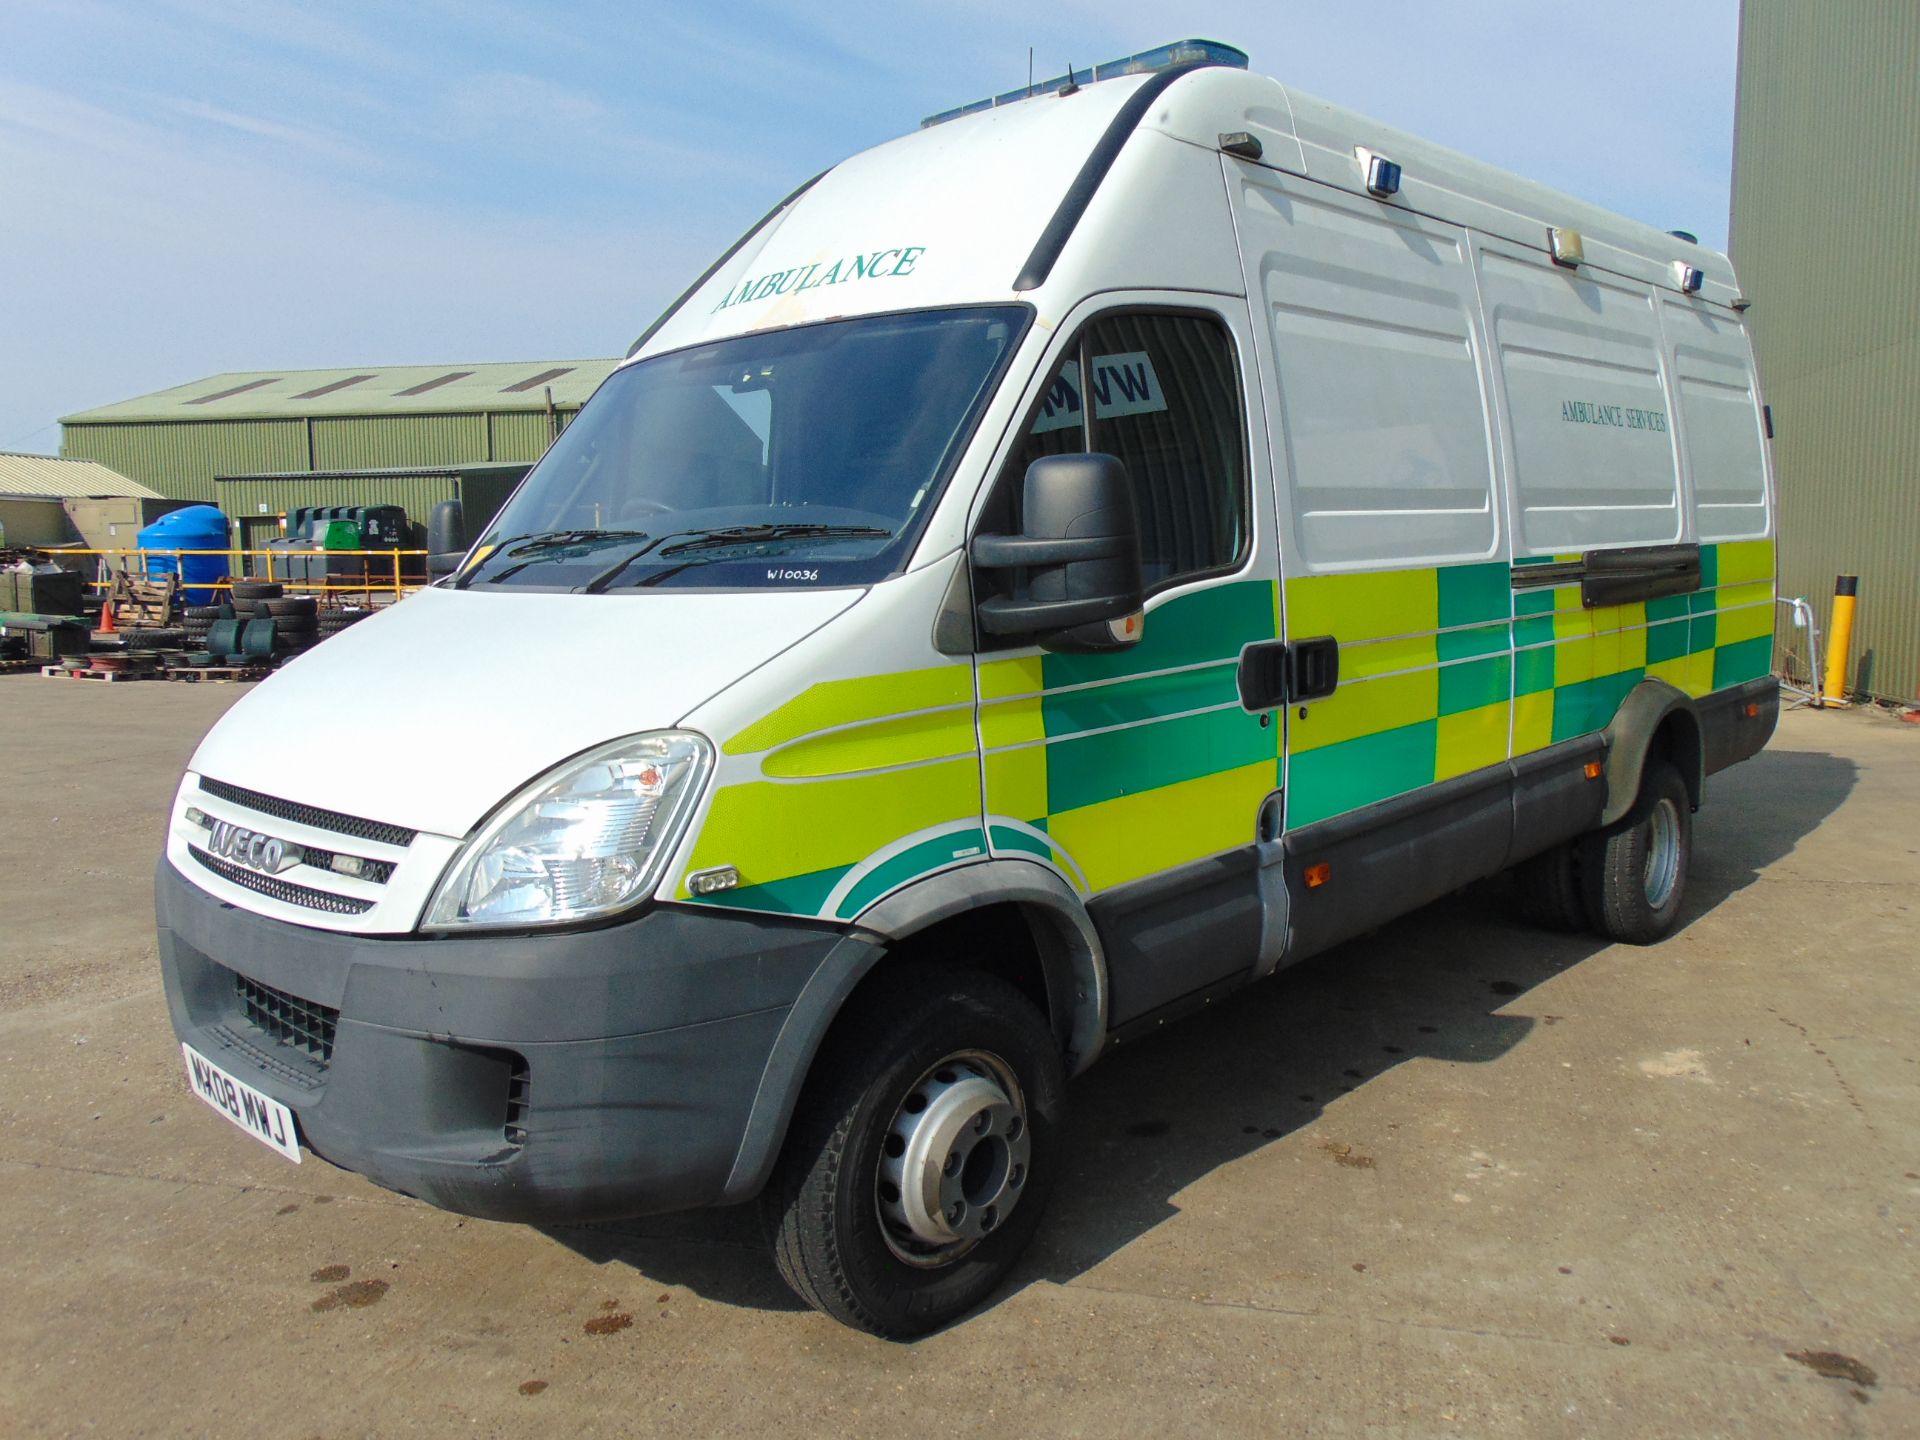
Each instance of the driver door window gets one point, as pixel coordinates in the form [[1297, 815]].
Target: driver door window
[[1163, 396]]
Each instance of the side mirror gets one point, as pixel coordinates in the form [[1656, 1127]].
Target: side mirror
[[446, 537], [1076, 562]]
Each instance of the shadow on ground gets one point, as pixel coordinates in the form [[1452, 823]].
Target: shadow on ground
[[1154, 1117]]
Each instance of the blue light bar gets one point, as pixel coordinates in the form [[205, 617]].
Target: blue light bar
[[1161, 57]]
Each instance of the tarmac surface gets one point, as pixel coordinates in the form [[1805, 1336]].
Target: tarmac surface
[[1458, 1178]]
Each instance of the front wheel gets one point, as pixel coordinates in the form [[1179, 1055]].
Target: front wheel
[[921, 1153], [1635, 872]]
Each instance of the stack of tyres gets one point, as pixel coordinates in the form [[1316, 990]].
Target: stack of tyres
[[296, 622], [196, 620], [332, 622]]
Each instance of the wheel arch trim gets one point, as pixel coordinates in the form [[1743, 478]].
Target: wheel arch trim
[[1652, 705], [1072, 963]]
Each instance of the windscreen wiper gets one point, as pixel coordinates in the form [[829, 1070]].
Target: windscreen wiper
[[754, 534], [730, 535], [537, 543]]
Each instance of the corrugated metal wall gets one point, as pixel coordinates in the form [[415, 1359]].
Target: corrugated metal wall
[[522, 435], [381, 441], [181, 459], [1826, 215]]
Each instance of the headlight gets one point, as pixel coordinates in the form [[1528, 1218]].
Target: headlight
[[585, 839]]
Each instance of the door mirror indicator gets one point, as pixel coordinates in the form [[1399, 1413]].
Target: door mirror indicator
[[1075, 566]]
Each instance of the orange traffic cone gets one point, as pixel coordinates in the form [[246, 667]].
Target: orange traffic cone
[[107, 627]]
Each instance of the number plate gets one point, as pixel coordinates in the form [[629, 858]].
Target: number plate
[[267, 1120]]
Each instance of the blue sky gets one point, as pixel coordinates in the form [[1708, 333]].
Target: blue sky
[[192, 186]]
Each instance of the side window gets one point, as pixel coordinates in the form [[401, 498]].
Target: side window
[[1165, 400]]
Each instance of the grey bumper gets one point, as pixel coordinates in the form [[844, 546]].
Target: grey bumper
[[643, 1067]]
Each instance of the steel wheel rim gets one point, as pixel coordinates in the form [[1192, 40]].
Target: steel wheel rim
[[1662, 871], [955, 1160]]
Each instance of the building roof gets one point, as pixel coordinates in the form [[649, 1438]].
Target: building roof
[[363, 390], [50, 477]]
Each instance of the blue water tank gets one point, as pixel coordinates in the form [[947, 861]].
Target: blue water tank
[[198, 527]]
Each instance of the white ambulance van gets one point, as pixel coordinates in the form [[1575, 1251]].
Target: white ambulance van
[[1061, 566]]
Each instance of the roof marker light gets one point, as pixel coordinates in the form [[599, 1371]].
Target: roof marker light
[[1161, 57], [1242, 143], [1565, 247], [1687, 277], [1381, 174]]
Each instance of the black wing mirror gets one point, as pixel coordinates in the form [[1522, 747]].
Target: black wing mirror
[[1076, 565]]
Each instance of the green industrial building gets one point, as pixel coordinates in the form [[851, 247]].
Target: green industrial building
[[1826, 206], [261, 443]]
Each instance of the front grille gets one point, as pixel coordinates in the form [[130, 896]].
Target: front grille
[[277, 1061], [377, 872], [285, 891], [299, 1024], [310, 814], [518, 1099]]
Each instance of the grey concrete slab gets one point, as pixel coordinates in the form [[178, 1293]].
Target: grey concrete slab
[[1459, 1178]]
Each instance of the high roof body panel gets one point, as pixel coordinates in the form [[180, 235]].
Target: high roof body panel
[[948, 215], [363, 390], [943, 216]]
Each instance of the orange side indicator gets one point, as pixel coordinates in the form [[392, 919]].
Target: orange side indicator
[[1753, 711], [1318, 875], [1593, 769]]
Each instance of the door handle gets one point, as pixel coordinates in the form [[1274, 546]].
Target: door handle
[[1275, 672]]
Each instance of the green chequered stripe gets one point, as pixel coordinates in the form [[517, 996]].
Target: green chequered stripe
[[1136, 760], [1444, 671], [1426, 683]]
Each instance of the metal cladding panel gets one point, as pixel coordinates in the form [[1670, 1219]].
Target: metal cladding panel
[[180, 459], [381, 441], [522, 436], [1825, 208]]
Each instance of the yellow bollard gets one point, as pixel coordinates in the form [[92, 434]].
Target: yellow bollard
[[1846, 591]]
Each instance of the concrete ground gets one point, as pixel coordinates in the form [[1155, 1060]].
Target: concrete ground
[[1461, 1178]]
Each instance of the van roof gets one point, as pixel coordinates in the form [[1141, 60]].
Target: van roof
[[959, 212]]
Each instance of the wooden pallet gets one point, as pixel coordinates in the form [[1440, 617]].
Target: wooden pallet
[[61, 672], [194, 673], [144, 604]]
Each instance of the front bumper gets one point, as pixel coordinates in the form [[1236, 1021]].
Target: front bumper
[[543, 1078]]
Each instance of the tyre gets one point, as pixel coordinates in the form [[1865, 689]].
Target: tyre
[[201, 612], [1634, 873], [1549, 889], [257, 590], [292, 605], [921, 1153]]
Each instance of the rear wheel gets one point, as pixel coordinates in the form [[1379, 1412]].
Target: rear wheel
[[1635, 872], [1549, 889], [921, 1154]]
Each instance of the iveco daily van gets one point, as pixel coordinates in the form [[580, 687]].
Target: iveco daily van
[[1061, 566]]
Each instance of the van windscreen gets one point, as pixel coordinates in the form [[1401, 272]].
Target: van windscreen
[[803, 457]]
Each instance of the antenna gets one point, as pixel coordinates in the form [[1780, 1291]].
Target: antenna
[[1029, 72], [1069, 88]]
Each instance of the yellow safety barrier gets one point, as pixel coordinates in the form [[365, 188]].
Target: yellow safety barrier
[[1846, 593], [401, 582]]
